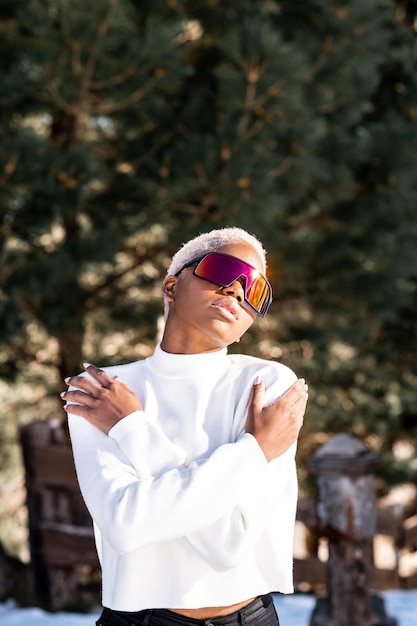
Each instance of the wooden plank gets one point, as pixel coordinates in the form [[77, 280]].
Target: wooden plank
[[53, 465], [409, 582], [67, 545], [410, 531], [385, 579], [389, 519], [310, 570], [306, 512]]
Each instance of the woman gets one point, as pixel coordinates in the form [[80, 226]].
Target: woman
[[186, 459]]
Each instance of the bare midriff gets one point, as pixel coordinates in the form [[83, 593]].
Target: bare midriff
[[212, 611]]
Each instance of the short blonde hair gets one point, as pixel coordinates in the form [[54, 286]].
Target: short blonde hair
[[212, 242]]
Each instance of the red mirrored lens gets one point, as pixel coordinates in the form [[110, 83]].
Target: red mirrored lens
[[223, 269]]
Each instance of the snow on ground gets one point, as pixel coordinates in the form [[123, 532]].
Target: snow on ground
[[294, 610]]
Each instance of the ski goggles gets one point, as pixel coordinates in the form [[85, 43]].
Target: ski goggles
[[224, 269]]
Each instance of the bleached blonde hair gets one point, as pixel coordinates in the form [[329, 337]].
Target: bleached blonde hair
[[212, 242]]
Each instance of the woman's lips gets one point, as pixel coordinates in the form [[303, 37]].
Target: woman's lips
[[229, 309]]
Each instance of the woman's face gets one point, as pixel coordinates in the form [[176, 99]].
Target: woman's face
[[204, 317]]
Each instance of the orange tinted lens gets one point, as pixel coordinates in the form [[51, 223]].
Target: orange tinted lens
[[258, 294]]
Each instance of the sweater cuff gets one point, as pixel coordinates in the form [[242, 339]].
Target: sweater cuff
[[255, 448], [279, 461], [126, 426]]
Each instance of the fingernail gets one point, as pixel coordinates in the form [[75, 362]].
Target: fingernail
[[257, 380], [67, 379], [62, 394], [86, 365]]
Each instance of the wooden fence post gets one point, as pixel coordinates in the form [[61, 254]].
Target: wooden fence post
[[346, 514]]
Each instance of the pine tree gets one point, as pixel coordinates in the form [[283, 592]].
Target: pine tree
[[361, 282], [83, 64]]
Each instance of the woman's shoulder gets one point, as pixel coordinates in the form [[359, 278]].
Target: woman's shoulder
[[127, 372], [270, 370]]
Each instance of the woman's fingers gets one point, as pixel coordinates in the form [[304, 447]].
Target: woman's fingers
[[100, 399], [82, 382], [80, 397], [100, 379], [276, 426], [99, 375], [258, 392], [299, 388]]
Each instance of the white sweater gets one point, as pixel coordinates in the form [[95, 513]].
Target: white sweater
[[187, 511]]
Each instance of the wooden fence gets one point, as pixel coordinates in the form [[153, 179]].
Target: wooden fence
[[63, 556], [62, 548], [396, 535]]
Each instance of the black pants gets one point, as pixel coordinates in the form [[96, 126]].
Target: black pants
[[260, 612]]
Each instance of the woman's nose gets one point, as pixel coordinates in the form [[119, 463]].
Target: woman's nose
[[235, 290]]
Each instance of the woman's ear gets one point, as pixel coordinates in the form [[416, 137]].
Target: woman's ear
[[169, 285]]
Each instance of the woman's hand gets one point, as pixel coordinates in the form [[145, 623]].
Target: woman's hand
[[276, 426], [104, 402]]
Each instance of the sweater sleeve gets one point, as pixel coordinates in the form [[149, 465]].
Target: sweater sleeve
[[228, 540], [132, 512], [158, 453], [135, 432], [224, 543]]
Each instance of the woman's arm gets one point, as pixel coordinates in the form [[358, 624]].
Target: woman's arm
[[228, 540], [133, 511]]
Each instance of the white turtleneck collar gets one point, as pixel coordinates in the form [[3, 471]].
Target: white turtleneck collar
[[171, 365]]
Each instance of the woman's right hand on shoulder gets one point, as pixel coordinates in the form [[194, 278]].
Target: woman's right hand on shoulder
[[102, 400]]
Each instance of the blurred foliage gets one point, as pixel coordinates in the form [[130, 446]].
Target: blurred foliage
[[128, 126]]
